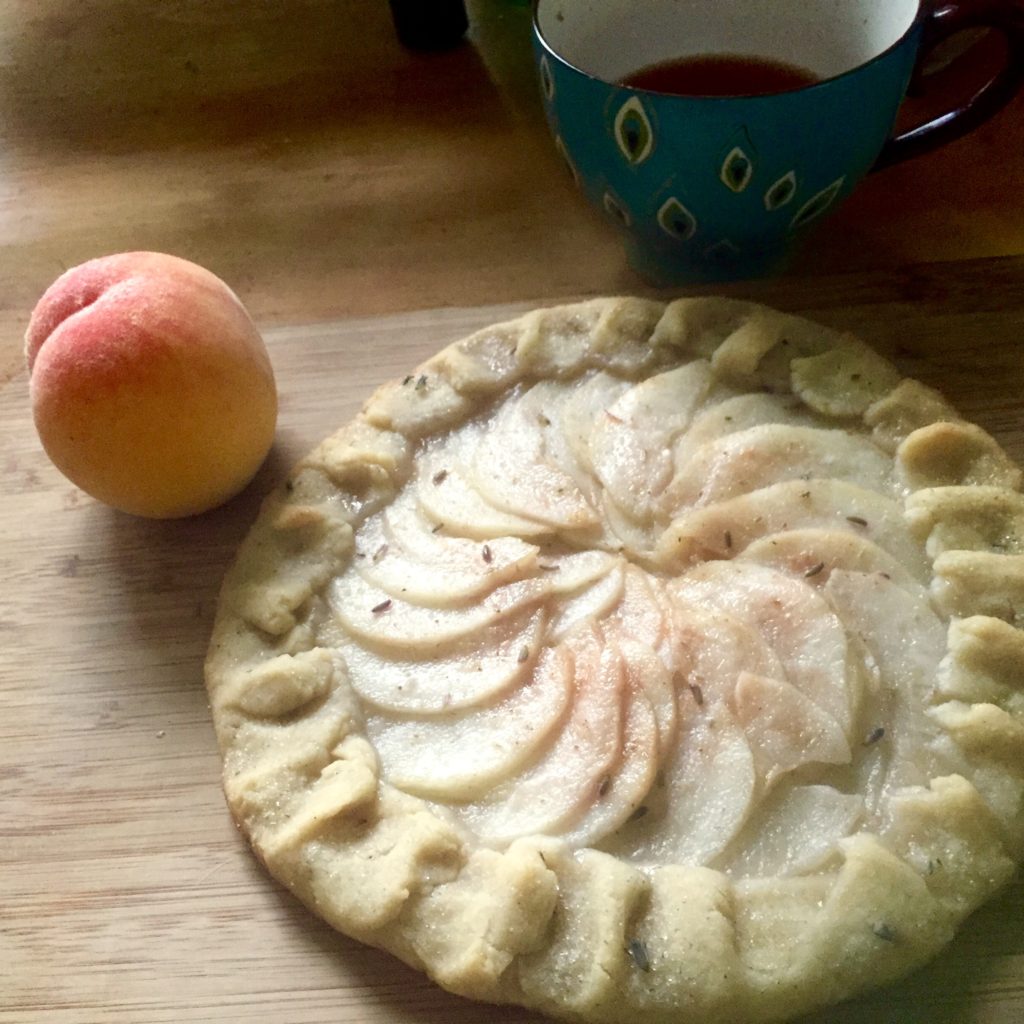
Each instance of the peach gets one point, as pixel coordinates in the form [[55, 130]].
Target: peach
[[151, 388]]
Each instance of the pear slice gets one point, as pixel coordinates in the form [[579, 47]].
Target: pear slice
[[631, 445], [648, 674], [622, 794], [641, 614], [580, 409], [643, 624], [770, 453], [401, 556], [741, 411], [462, 756], [785, 728], [906, 640], [723, 414], [725, 529], [451, 503], [489, 664], [708, 793], [793, 619], [812, 555], [510, 472], [417, 538], [796, 830], [625, 532], [563, 415], [413, 631], [589, 606], [571, 774], [570, 572], [711, 647]]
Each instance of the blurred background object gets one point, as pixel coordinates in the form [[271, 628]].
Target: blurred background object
[[429, 24]]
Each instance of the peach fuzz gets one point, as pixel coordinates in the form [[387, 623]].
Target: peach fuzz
[[151, 388]]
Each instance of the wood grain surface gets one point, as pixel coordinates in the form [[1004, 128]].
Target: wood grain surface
[[126, 894], [324, 172]]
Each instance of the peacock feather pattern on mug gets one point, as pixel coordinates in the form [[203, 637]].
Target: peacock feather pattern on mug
[[684, 187]]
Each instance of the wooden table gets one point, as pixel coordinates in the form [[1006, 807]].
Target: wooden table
[[368, 205], [300, 153]]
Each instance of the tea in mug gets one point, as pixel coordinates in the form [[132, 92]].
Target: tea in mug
[[720, 75]]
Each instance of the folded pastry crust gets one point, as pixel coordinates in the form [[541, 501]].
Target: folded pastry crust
[[637, 659]]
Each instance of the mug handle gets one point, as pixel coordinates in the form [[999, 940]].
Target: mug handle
[[944, 19]]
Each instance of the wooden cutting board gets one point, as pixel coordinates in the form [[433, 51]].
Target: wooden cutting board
[[125, 893]]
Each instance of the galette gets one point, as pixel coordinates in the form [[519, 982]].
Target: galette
[[633, 661]]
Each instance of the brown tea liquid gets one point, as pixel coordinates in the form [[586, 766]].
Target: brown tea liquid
[[720, 75]]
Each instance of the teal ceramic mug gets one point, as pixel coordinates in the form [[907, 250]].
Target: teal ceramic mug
[[711, 187]]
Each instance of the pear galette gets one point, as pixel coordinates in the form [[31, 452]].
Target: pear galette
[[632, 661]]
